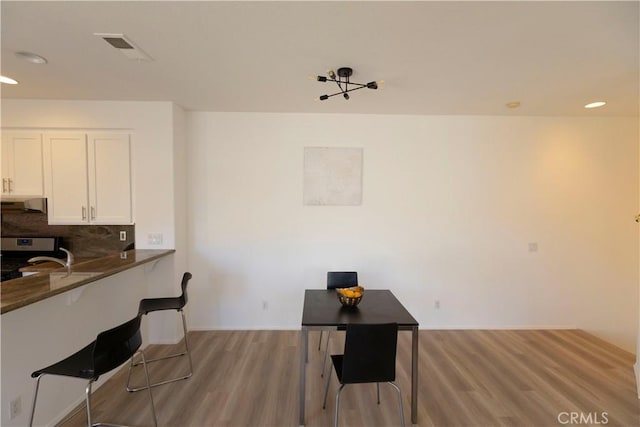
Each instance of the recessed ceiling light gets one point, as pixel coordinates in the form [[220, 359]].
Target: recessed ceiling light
[[31, 57], [595, 104], [8, 80]]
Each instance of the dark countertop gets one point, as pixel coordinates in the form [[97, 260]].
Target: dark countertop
[[27, 290]]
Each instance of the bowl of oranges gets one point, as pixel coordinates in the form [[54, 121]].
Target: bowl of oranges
[[350, 297]]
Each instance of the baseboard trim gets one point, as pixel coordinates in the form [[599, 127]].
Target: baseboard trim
[[431, 327], [164, 341]]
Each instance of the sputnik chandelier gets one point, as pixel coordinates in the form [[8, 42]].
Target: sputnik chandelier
[[343, 82]]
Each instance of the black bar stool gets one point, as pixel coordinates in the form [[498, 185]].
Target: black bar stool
[[149, 305], [109, 350]]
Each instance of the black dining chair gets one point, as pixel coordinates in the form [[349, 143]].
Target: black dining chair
[[335, 280], [369, 357], [110, 349], [149, 305]]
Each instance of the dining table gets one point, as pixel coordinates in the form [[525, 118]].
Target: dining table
[[323, 311]]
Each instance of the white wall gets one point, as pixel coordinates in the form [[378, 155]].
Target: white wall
[[450, 206], [166, 327]]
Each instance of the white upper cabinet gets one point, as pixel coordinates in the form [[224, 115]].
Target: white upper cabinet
[[66, 177], [109, 178], [88, 178], [22, 172]]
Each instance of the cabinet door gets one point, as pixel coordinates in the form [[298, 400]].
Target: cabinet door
[[22, 169], [66, 178], [27, 165], [109, 178], [6, 156]]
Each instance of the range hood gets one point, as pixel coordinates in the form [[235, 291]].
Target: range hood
[[24, 205]]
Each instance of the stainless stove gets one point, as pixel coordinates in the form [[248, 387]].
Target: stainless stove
[[17, 250]]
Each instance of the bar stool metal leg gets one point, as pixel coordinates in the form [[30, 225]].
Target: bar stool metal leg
[[185, 352], [400, 401], [146, 376], [335, 423], [35, 397], [186, 343], [87, 397], [143, 362]]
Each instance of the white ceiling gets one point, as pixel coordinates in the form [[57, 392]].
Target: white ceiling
[[435, 57]]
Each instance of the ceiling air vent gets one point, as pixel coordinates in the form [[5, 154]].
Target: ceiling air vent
[[125, 46]]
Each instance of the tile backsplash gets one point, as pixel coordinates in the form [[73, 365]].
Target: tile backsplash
[[84, 241]]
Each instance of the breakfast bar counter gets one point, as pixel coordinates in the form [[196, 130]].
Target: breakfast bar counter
[[56, 312], [18, 293]]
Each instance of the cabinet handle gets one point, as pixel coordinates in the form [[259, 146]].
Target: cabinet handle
[[10, 181], [4, 185], [84, 213], [93, 213]]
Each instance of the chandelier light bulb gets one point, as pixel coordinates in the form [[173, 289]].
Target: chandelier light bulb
[[8, 80], [595, 104]]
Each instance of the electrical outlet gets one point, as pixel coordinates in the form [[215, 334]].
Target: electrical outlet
[[123, 236], [15, 407], [154, 238]]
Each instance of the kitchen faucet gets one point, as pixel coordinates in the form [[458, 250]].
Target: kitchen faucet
[[67, 264]]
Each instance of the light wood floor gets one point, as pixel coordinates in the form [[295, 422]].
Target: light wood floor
[[467, 378]]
